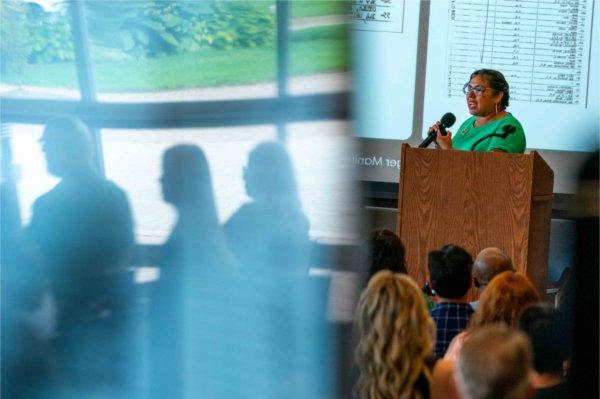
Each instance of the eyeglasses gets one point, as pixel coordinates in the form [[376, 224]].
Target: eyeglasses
[[478, 90]]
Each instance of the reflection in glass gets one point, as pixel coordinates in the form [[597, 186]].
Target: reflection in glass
[[132, 160], [320, 156], [182, 51], [31, 175], [319, 44], [37, 56], [321, 153], [83, 234]]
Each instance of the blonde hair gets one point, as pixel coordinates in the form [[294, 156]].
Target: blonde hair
[[396, 335], [504, 299]]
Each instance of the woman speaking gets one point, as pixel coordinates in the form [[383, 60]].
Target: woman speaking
[[491, 128]]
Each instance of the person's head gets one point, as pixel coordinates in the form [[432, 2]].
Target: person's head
[[186, 180], [504, 299], [450, 271], [547, 333], [493, 363], [67, 145], [396, 334], [269, 174], [489, 263], [384, 252], [487, 92]]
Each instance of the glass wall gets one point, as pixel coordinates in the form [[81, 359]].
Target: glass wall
[[29, 166], [133, 160], [37, 51], [233, 311], [183, 50], [319, 43]]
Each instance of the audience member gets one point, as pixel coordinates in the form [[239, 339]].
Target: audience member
[[27, 311], [188, 300], [269, 238], [384, 251], [381, 249], [545, 327], [494, 364], [450, 278], [396, 333], [83, 231], [581, 303], [502, 302], [489, 263], [186, 184], [270, 233]]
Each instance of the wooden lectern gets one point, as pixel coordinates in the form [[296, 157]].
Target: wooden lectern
[[476, 200]]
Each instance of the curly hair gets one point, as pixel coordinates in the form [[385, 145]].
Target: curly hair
[[396, 335], [504, 299]]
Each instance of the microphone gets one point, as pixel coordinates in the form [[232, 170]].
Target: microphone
[[446, 121]]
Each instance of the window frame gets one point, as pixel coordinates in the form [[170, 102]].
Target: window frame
[[279, 110]]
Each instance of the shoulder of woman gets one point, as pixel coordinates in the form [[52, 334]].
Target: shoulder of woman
[[510, 119], [442, 368], [442, 380], [455, 345], [241, 214]]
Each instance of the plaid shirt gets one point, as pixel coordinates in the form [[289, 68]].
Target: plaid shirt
[[450, 319]]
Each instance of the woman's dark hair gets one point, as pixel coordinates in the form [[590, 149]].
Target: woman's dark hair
[[496, 81], [189, 177], [386, 252]]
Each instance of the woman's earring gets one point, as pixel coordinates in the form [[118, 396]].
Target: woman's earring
[[496, 107]]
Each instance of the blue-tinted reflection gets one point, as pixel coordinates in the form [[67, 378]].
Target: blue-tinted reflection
[[73, 260]]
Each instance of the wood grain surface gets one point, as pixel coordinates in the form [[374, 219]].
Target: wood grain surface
[[475, 200]]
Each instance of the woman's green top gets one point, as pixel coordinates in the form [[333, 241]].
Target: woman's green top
[[491, 136]]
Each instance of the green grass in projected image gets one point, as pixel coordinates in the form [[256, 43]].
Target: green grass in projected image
[[312, 50], [312, 8]]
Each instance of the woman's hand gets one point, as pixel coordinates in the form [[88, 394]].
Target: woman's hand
[[443, 142]]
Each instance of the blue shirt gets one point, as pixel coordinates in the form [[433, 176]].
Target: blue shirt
[[450, 318]]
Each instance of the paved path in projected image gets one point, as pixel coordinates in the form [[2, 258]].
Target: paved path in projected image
[[330, 82], [323, 20]]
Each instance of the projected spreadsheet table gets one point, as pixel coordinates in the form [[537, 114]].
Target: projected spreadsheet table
[[542, 47], [378, 15]]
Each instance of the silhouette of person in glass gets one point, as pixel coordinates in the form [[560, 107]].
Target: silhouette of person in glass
[[188, 300], [269, 238], [270, 232], [26, 308], [83, 231]]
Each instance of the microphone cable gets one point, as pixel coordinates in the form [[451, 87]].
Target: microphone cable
[[507, 129]]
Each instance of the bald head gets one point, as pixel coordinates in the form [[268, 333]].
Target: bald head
[[489, 263]]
